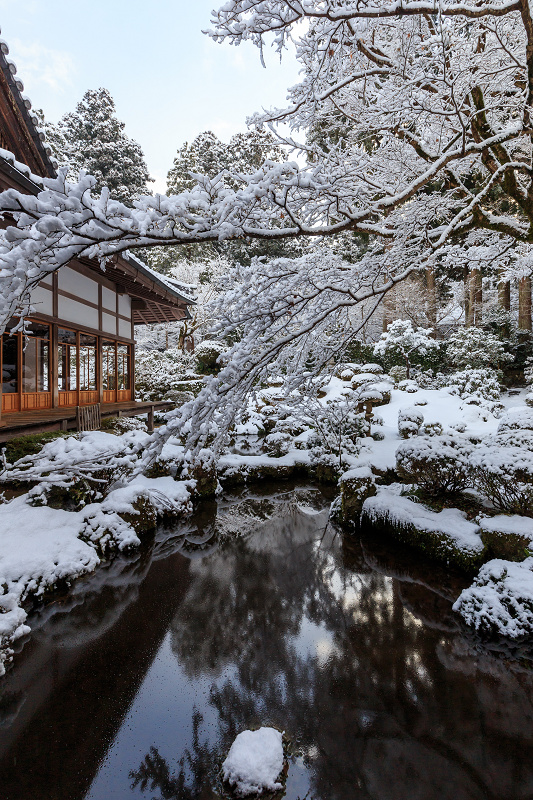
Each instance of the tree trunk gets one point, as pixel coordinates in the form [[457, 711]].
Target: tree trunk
[[475, 304], [432, 298], [467, 296], [504, 293], [524, 304], [388, 309]]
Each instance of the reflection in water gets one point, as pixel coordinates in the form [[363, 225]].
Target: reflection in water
[[259, 613]]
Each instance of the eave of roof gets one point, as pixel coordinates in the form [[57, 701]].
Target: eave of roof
[[16, 87]]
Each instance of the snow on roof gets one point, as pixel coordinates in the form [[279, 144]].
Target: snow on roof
[[184, 291], [9, 68]]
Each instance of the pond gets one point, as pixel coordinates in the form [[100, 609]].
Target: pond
[[260, 613]]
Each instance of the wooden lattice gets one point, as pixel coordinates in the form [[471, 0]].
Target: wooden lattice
[[88, 418]]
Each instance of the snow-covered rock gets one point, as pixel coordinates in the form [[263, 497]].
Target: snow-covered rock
[[446, 535], [255, 762]]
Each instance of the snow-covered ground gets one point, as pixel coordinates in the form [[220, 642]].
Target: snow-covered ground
[[41, 546]]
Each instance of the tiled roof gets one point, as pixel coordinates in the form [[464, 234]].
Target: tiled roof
[[23, 102]]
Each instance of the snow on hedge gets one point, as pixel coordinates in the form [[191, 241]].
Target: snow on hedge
[[255, 762], [500, 601]]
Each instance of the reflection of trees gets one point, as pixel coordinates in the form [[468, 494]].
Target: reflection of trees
[[235, 611], [392, 705], [191, 782]]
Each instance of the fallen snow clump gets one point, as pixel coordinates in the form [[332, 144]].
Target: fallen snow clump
[[254, 762]]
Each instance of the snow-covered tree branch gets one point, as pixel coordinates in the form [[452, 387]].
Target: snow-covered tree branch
[[414, 120]]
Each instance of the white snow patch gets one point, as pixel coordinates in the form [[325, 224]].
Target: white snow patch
[[255, 762]]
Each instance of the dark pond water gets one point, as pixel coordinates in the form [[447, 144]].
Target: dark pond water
[[135, 685]]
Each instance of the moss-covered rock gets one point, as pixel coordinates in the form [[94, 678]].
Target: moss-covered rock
[[446, 536], [204, 472], [509, 537], [143, 518], [356, 486]]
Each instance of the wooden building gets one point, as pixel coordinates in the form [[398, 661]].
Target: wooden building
[[79, 347]]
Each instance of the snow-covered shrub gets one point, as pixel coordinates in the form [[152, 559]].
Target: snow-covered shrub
[[402, 344], [505, 476], [408, 386], [500, 601], [277, 443], [480, 387], [376, 369], [409, 422], [207, 354], [517, 419], [438, 464], [157, 373], [433, 429], [363, 379], [475, 348], [120, 425], [398, 373], [528, 371], [337, 425]]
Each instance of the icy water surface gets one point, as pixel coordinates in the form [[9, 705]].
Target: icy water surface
[[135, 685]]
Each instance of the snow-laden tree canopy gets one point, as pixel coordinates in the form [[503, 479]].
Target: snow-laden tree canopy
[[415, 121]]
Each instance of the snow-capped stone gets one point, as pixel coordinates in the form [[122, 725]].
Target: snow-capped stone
[[255, 762]]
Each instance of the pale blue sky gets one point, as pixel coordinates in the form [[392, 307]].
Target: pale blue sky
[[169, 81]]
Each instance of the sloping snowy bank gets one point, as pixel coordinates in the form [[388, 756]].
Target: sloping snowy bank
[[42, 548], [445, 535]]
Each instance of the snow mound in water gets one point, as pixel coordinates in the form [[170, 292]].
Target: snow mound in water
[[254, 762]]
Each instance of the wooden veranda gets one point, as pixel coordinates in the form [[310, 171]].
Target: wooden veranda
[[66, 419]]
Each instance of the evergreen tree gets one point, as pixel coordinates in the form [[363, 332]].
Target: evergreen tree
[[208, 155], [96, 142]]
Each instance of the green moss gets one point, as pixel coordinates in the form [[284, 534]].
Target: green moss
[[30, 444], [354, 492], [437, 545], [145, 520], [509, 546]]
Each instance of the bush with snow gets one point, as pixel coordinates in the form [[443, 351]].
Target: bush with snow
[[398, 373], [409, 422], [528, 371], [479, 387], [157, 373], [337, 425], [405, 345], [475, 348], [438, 464], [207, 355], [517, 419], [500, 601], [505, 476]]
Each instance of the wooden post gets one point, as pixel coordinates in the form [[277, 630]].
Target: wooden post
[[54, 367], [150, 420], [524, 304], [99, 369]]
